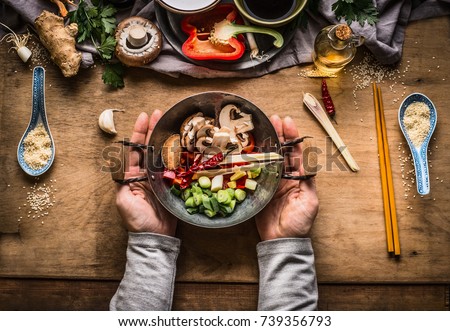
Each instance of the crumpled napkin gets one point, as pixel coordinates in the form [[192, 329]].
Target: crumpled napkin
[[384, 40]]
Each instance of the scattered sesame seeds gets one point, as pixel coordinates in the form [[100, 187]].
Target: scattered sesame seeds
[[39, 198]]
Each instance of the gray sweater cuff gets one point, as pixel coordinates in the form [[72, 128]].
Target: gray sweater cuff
[[150, 272], [287, 276]]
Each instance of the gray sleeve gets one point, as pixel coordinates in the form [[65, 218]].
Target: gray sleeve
[[149, 276], [287, 275]]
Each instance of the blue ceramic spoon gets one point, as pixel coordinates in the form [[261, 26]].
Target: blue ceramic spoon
[[419, 153], [38, 115]]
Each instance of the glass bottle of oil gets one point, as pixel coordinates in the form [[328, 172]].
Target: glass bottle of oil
[[334, 47]]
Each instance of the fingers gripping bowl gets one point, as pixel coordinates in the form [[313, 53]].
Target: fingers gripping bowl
[[210, 105]]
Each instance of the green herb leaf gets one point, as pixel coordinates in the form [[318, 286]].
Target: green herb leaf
[[113, 75], [98, 24], [108, 11], [109, 24], [106, 48], [361, 11]]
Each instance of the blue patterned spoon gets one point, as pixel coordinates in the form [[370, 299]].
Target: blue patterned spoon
[[38, 115], [419, 153]]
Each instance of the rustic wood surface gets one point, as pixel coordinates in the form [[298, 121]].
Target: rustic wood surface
[[82, 238], [51, 294]]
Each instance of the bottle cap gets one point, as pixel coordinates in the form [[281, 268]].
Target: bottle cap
[[343, 32]]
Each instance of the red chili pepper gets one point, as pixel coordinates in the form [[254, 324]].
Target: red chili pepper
[[328, 103], [198, 27], [186, 176]]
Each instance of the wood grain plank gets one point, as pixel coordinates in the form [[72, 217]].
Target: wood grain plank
[[51, 294], [82, 236]]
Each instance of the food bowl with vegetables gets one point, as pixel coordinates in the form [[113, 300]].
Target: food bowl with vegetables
[[214, 160]]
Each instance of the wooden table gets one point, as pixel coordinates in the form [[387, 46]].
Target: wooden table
[[73, 258]]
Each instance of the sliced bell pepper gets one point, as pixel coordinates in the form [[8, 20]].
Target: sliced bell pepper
[[199, 26], [217, 35]]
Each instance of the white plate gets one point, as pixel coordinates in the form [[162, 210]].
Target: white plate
[[188, 6]]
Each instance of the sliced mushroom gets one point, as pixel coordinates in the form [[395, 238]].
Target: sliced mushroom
[[243, 139], [233, 118], [222, 139], [171, 152], [205, 137], [189, 129]]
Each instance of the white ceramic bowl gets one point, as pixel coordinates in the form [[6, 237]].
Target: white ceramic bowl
[[188, 7]]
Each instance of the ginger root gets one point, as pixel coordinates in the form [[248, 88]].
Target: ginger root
[[59, 41]]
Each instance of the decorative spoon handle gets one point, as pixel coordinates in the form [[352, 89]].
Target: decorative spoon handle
[[38, 101], [421, 169]]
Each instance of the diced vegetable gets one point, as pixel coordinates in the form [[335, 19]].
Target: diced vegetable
[[198, 198], [238, 175], [185, 194], [254, 173], [206, 201], [251, 184], [217, 183], [210, 213], [232, 204], [230, 192], [204, 182], [190, 202], [240, 195], [214, 204], [211, 197], [175, 190], [223, 197], [226, 209], [192, 210]]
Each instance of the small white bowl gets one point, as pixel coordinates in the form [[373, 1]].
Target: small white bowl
[[188, 7]]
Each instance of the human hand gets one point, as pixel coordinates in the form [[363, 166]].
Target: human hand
[[138, 206], [292, 210]]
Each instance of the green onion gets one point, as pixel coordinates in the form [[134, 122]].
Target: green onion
[[240, 195], [204, 182]]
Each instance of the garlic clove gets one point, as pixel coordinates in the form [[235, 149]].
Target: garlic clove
[[106, 120]]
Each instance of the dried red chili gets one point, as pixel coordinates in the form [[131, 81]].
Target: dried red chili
[[327, 101], [186, 176]]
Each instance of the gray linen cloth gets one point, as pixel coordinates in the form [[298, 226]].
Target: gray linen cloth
[[384, 40]]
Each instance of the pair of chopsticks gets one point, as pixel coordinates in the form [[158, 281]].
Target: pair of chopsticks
[[390, 214]]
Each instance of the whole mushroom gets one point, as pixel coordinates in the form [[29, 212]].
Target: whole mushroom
[[139, 41]]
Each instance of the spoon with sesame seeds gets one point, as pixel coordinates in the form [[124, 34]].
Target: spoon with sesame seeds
[[36, 149], [417, 117]]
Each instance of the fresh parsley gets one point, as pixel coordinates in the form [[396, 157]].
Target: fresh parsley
[[360, 11], [113, 75], [97, 23]]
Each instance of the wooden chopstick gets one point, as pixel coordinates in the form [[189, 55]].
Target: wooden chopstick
[[390, 212]]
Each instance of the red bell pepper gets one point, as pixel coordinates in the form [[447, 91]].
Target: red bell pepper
[[199, 26], [216, 36]]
